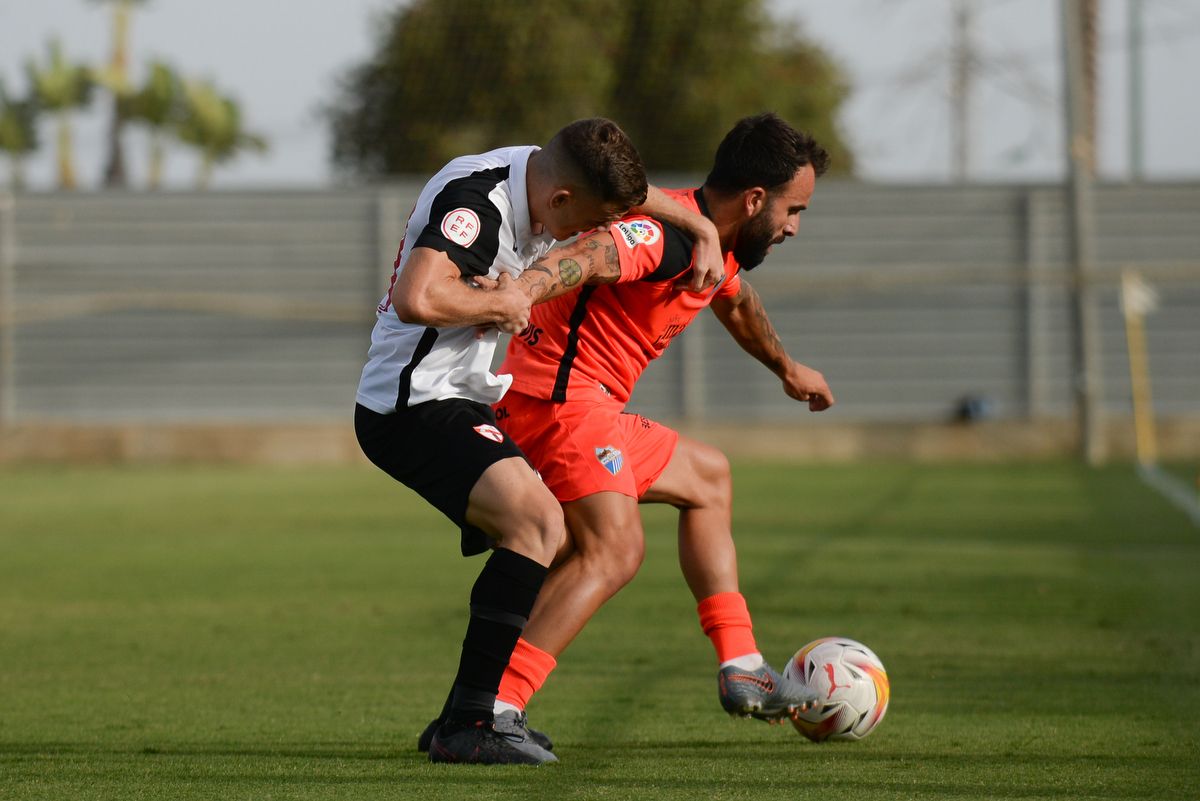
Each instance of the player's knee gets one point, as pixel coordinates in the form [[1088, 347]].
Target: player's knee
[[606, 532], [550, 528], [719, 476], [618, 569], [533, 525], [630, 562], [621, 558], [611, 550], [541, 525], [712, 479]]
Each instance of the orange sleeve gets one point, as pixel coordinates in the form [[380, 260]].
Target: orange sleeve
[[650, 250], [730, 286], [639, 242]]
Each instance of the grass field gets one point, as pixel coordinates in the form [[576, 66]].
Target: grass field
[[241, 633]]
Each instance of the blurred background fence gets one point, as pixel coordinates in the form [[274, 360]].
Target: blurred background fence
[[918, 303]]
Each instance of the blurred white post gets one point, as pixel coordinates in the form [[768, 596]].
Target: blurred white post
[[1081, 234], [962, 67], [1137, 106], [1137, 300], [8, 321]]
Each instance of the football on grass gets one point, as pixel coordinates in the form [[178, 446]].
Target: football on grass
[[852, 686]]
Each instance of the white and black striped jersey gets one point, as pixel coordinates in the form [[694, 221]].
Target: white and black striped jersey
[[475, 211]]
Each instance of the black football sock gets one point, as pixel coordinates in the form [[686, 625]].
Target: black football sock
[[445, 713], [501, 601]]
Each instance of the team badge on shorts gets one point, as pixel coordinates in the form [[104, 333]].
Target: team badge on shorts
[[490, 432], [611, 459]]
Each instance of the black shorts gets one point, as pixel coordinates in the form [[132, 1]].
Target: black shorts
[[438, 449]]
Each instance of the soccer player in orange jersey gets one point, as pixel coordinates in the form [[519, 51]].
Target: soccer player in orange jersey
[[574, 368]]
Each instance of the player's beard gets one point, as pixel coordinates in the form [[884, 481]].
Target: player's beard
[[755, 238]]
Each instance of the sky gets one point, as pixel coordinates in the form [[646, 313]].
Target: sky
[[284, 67]]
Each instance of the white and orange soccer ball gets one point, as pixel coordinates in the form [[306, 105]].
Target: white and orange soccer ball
[[851, 682]]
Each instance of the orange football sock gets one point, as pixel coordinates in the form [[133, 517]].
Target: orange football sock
[[526, 673], [726, 620]]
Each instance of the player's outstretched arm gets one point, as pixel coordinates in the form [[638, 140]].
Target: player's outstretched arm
[[708, 260], [588, 260], [746, 319], [431, 291]]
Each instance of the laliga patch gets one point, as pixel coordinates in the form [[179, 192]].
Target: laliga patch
[[610, 459], [639, 232], [490, 432], [461, 227]]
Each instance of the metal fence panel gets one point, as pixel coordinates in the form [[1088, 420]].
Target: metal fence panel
[[258, 305]]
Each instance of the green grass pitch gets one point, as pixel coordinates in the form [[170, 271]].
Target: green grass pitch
[[182, 633]]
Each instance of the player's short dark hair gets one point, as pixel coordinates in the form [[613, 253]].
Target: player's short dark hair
[[603, 159], [765, 151]]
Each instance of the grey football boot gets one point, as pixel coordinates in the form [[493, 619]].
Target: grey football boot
[[505, 721], [511, 722], [484, 744], [762, 693]]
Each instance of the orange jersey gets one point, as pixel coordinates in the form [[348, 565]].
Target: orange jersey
[[599, 340]]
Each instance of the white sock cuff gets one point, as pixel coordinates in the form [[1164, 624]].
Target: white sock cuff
[[504, 706], [751, 661]]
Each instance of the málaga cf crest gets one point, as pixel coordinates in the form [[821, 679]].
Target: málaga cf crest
[[611, 458]]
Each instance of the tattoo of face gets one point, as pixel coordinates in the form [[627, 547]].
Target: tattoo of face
[[611, 260], [569, 271]]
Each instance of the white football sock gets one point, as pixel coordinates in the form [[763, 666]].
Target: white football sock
[[744, 662], [505, 706]]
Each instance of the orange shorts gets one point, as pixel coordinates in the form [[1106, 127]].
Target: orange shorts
[[582, 447]]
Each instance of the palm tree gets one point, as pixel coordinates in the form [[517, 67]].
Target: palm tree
[[212, 124], [61, 87], [157, 105], [18, 134], [115, 78]]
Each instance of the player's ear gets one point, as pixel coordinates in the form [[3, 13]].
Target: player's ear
[[560, 198], [754, 199]]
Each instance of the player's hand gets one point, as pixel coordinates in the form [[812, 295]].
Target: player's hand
[[708, 263], [481, 282], [512, 305], [807, 385]]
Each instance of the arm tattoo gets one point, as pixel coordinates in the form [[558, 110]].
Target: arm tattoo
[[541, 280], [611, 261], [601, 270], [538, 267], [756, 314], [538, 280], [569, 272]]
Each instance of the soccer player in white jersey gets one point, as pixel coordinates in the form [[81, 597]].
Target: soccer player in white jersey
[[423, 405]]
